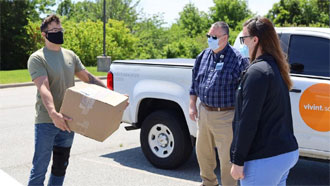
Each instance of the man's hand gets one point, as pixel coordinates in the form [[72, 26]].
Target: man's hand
[[192, 108], [60, 121], [193, 112], [237, 172]]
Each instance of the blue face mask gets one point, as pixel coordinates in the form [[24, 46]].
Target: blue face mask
[[244, 50], [213, 43]]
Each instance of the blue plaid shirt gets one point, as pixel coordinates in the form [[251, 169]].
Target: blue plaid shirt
[[215, 76]]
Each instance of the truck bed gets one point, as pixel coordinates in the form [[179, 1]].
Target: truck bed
[[175, 62]]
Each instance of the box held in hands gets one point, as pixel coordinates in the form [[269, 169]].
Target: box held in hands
[[96, 112]]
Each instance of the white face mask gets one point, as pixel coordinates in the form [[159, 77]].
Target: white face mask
[[213, 43], [244, 50]]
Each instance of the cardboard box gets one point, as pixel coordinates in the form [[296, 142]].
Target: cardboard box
[[96, 112]]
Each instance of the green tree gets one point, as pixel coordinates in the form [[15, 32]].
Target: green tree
[[42, 6], [14, 17], [122, 10], [33, 37], [323, 5], [184, 48], [192, 21], [85, 39], [80, 11], [153, 37], [180, 45], [175, 33], [12, 38], [65, 8], [300, 13], [230, 11]]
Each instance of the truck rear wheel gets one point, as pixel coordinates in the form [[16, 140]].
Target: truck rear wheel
[[165, 139]]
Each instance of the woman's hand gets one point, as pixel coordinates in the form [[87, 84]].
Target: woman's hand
[[237, 172]]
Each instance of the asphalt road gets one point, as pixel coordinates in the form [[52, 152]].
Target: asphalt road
[[118, 161]]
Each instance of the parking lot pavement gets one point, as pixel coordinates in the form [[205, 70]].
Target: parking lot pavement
[[118, 161], [114, 162]]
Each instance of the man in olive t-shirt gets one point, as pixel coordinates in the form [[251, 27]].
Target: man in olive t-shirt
[[60, 68], [52, 70]]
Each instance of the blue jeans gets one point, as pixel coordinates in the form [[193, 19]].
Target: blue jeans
[[47, 138], [269, 171]]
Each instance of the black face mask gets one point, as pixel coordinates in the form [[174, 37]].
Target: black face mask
[[55, 37]]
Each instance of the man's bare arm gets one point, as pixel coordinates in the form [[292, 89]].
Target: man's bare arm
[[87, 77], [48, 101]]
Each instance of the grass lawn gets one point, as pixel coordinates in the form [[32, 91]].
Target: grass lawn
[[20, 76]]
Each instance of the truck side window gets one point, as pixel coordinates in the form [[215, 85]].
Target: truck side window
[[284, 42], [309, 55]]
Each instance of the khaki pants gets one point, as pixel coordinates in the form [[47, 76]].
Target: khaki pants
[[215, 130]]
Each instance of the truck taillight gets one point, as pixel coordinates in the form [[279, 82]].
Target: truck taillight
[[110, 81]]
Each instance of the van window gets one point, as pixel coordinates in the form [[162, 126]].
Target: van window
[[309, 55]]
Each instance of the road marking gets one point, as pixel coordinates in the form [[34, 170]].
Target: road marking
[[6, 179]]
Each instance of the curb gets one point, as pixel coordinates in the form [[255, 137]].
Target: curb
[[31, 83]]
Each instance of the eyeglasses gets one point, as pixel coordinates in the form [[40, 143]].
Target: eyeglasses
[[214, 37], [241, 39], [55, 30]]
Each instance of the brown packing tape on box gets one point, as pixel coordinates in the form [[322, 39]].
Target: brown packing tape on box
[[96, 112]]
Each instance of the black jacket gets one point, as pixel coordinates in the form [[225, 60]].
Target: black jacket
[[262, 124]]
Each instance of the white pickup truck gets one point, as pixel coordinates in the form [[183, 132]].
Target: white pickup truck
[[159, 98]]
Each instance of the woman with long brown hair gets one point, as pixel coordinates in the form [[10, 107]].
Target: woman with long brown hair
[[264, 148]]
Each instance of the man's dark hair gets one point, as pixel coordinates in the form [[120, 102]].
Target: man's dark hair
[[48, 20], [224, 26]]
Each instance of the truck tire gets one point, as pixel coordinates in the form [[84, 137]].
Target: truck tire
[[165, 139]]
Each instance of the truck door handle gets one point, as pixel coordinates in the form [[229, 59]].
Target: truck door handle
[[295, 90]]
